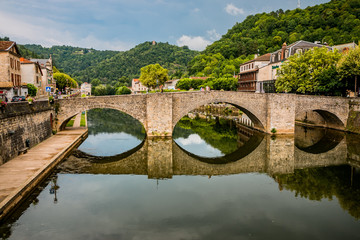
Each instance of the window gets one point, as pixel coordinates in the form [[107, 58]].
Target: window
[[299, 51], [286, 53], [273, 58], [11, 63], [279, 56]]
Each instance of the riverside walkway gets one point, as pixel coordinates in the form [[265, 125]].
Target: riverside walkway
[[21, 175]]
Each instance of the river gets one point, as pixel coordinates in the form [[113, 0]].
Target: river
[[215, 179]]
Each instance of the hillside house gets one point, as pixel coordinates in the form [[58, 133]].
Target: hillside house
[[47, 77], [10, 70], [249, 72], [137, 87], [31, 73], [268, 74]]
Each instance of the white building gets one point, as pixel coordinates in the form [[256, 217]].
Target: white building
[[137, 87], [31, 73], [85, 88]]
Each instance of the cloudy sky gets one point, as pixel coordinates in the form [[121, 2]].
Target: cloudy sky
[[122, 24]]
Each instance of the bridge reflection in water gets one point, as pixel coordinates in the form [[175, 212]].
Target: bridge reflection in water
[[162, 158]]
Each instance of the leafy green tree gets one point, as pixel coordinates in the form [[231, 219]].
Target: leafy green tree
[[349, 68], [31, 89], [100, 90], [123, 90], [63, 80], [153, 75], [311, 72]]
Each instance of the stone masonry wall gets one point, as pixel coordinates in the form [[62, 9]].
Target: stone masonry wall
[[20, 122]]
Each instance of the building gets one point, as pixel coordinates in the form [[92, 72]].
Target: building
[[248, 74], [268, 74], [31, 73], [137, 87], [10, 70], [47, 77], [343, 48], [85, 88], [171, 84]]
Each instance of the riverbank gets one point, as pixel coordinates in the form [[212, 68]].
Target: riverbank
[[20, 176]]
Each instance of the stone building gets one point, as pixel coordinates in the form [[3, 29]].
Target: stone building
[[47, 77], [249, 71], [10, 72], [31, 73], [344, 48], [137, 87]]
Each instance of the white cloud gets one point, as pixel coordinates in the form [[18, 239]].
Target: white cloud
[[27, 30], [194, 43], [232, 10], [191, 140], [213, 35]]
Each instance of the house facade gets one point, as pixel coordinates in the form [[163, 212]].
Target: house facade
[[10, 70], [171, 84], [47, 77], [137, 87], [31, 73], [85, 88], [268, 74], [249, 73]]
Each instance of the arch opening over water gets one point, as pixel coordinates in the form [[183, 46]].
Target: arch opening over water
[[111, 133], [320, 118]]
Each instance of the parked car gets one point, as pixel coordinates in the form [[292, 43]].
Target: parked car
[[18, 98]]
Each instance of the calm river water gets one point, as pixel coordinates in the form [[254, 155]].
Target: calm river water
[[213, 180]]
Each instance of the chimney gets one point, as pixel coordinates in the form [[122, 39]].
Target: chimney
[[283, 50]]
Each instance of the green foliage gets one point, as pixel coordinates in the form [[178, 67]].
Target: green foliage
[[123, 90], [31, 89], [107, 66], [225, 83], [63, 80], [311, 72], [349, 67], [100, 90], [83, 120], [153, 75]]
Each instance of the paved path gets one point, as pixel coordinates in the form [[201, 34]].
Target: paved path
[[19, 176], [77, 120]]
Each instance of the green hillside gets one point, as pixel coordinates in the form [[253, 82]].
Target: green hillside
[[335, 22], [87, 64]]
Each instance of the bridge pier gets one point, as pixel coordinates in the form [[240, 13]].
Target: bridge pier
[[159, 112]]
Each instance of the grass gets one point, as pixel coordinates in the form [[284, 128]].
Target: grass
[[70, 123], [82, 121]]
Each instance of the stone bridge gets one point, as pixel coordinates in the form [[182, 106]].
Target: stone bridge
[[159, 112]]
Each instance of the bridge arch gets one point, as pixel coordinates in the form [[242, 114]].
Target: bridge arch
[[132, 106], [321, 118], [254, 110]]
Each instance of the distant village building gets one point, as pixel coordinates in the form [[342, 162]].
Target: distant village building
[[47, 77], [267, 75], [171, 84], [31, 73], [85, 88], [344, 48], [137, 87], [10, 70], [249, 72]]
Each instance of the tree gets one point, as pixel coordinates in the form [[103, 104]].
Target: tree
[[63, 80], [153, 75], [311, 72], [32, 89], [100, 90], [123, 90], [349, 68]]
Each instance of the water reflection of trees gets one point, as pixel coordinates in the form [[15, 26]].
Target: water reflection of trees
[[343, 182], [219, 133], [113, 121]]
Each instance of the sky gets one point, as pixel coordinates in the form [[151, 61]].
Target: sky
[[122, 24]]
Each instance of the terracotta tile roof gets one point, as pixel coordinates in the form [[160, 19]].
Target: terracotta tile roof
[[24, 60], [23, 84], [135, 80], [6, 45], [262, 58], [6, 85], [202, 78]]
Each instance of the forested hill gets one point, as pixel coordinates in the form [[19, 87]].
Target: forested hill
[[129, 63], [72, 60], [108, 66], [335, 22]]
